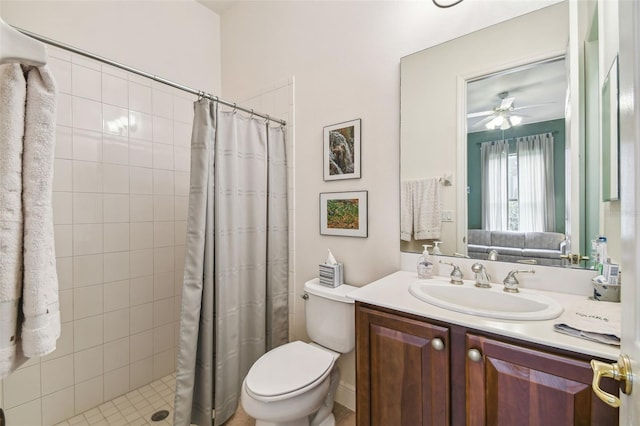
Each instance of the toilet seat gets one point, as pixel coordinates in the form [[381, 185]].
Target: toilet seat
[[288, 370]]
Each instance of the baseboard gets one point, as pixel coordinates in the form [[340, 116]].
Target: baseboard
[[346, 395]]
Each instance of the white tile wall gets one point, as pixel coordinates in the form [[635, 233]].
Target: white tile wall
[[279, 101], [121, 184], [120, 199]]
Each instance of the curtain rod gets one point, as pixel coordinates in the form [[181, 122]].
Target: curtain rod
[[182, 87], [516, 137]]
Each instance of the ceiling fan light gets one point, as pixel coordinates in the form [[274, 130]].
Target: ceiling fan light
[[515, 120], [506, 124]]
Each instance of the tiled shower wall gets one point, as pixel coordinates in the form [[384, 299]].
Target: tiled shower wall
[[120, 208], [278, 100]]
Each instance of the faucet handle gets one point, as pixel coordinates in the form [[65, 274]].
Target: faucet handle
[[456, 273], [511, 282], [483, 279]]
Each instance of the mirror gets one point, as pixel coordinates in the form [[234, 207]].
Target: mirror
[[441, 86]]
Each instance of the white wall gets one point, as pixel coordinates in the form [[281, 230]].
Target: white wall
[[176, 40], [345, 57]]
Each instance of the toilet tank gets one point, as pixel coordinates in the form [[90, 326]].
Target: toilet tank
[[330, 316]]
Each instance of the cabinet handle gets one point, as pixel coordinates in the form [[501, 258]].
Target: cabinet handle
[[437, 344], [474, 355]]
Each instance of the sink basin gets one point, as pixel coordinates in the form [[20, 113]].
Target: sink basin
[[487, 302]]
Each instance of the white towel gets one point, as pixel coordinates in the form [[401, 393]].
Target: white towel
[[28, 278], [427, 208], [592, 320], [406, 210]]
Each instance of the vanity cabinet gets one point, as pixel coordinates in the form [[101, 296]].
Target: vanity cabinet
[[507, 384], [402, 370], [412, 371]]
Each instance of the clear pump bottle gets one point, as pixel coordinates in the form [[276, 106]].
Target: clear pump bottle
[[425, 263]]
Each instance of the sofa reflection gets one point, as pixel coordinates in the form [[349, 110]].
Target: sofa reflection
[[545, 248]]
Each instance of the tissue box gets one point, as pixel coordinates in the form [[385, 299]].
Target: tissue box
[[331, 275]]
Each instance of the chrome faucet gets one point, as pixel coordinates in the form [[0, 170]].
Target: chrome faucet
[[511, 282], [456, 273], [481, 276], [493, 255]]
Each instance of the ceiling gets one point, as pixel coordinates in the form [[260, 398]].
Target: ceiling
[[218, 6], [542, 84]]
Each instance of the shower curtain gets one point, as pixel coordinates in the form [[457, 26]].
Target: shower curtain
[[235, 292]]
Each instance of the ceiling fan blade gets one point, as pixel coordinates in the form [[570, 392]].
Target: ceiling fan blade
[[483, 121], [479, 114], [533, 106], [506, 103]]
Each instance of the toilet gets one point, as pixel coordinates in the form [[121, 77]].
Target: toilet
[[295, 384]]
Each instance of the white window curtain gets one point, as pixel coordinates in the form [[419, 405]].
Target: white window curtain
[[495, 213], [536, 195]]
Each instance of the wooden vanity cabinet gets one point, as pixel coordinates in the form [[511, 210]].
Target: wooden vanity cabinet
[[404, 378], [402, 370], [514, 385]]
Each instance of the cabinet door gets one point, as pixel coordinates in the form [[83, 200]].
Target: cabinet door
[[511, 385], [402, 377]]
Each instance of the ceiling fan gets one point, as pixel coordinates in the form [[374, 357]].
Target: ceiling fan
[[501, 117]]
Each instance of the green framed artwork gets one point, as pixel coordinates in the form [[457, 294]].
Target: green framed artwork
[[344, 213]]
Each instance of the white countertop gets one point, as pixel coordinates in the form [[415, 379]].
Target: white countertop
[[392, 292]]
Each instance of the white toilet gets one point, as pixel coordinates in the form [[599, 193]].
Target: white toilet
[[295, 384]]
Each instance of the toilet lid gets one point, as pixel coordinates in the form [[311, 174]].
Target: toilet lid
[[288, 368]]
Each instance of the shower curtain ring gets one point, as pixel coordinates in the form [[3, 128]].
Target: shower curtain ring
[[235, 108], [266, 120], [251, 116]]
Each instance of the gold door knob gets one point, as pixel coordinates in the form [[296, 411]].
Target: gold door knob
[[620, 371]]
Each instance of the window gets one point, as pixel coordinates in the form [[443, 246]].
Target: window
[[512, 190]]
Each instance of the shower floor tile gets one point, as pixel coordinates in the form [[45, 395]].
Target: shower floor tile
[[132, 409]]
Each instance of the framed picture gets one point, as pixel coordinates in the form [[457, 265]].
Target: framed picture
[[343, 213], [342, 150]]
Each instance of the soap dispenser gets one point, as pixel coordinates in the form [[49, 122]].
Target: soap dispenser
[[425, 264], [436, 248]]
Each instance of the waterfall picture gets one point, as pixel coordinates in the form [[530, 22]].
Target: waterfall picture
[[342, 151]]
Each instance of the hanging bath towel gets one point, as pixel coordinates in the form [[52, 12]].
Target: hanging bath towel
[[29, 313]]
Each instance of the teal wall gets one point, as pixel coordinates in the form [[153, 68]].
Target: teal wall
[[474, 176]]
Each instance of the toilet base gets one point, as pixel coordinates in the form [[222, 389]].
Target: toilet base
[[328, 421], [300, 422]]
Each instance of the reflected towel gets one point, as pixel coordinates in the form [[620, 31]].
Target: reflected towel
[[592, 320], [406, 210], [427, 208], [27, 253]]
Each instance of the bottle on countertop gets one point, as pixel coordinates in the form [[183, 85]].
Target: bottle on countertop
[[436, 248], [601, 254], [425, 263]]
